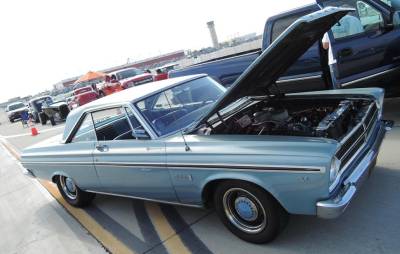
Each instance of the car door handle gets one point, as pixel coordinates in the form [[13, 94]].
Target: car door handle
[[102, 148], [345, 52]]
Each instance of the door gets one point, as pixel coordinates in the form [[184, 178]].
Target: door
[[364, 48], [127, 161], [306, 74], [76, 156]]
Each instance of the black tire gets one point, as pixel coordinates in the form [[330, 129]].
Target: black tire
[[77, 198], [43, 118], [64, 111], [265, 216], [52, 121], [11, 120]]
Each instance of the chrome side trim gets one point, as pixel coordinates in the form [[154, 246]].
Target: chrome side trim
[[369, 77], [146, 199], [58, 163], [298, 79], [229, 167]]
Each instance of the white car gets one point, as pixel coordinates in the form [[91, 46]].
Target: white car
[[15, 109]]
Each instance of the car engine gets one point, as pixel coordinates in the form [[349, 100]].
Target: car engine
[[331, 118]]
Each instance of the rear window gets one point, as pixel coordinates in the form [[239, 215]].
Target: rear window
[[281, 24], [128, 73], [83, 90], [16, 106]]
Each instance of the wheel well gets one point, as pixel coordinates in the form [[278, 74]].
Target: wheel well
[[209, 189], [54, 179]]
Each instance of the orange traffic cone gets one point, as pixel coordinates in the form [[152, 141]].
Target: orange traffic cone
[[34, 131]]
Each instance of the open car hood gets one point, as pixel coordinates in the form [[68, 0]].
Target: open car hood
[[257, 79]]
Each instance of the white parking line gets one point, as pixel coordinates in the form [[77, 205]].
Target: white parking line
[[29, 134]]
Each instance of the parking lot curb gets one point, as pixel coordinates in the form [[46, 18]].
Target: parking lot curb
[[110, 242], [105, 238]]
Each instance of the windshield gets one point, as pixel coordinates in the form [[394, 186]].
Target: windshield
[[39, 103], [176, 108], [128, 73], [16, 106]]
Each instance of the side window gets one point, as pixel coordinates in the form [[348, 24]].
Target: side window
[[111, 124], [138, 130], [85, 132], [364, 19], [395, 4], [281, 24], [371, 19]]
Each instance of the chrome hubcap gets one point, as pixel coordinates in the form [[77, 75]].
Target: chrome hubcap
[[68, 186], [244, 210]]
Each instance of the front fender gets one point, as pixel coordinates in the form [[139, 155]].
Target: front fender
[[297, 192]]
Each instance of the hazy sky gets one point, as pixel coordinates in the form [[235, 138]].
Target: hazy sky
[[45, 41]]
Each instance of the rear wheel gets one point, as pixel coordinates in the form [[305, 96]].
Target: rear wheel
[[64, 111], [72, 193], [249, 212]]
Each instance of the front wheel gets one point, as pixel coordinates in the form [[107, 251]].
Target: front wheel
[[72, 193], [249, 212]]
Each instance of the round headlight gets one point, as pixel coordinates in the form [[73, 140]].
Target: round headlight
[[335, 166]]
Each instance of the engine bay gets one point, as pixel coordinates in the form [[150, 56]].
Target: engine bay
[[328, 117]]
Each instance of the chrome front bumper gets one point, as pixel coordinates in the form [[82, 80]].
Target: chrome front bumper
[[334, 207]]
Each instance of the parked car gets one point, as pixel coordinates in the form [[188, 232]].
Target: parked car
[[14, 110], [162, 72], [366, 58], [109, 86], [43, 109], [251, 152], [131, 77], [84, 93]]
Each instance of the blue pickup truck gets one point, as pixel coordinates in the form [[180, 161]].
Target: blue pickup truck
[[364, 53]]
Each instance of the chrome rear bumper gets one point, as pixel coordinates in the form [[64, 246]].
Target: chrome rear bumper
[[335, 206]]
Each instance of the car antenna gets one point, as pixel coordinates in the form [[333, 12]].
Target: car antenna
[[187, 148]]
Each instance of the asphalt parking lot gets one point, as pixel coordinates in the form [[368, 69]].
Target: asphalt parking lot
[[370, 225]]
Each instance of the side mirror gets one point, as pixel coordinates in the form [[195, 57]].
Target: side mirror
[[140, 134]]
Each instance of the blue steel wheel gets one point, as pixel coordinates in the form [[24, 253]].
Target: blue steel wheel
[[244, 210], [72, 193], [248, 211], [68, 187]]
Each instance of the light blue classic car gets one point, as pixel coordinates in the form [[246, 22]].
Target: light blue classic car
[[253, 153]]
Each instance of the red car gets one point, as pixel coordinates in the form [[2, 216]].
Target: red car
[[131, 77], [109, 86], [162, 72], [84, 94]]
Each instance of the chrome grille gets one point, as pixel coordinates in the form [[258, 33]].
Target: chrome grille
[[354, 141]]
